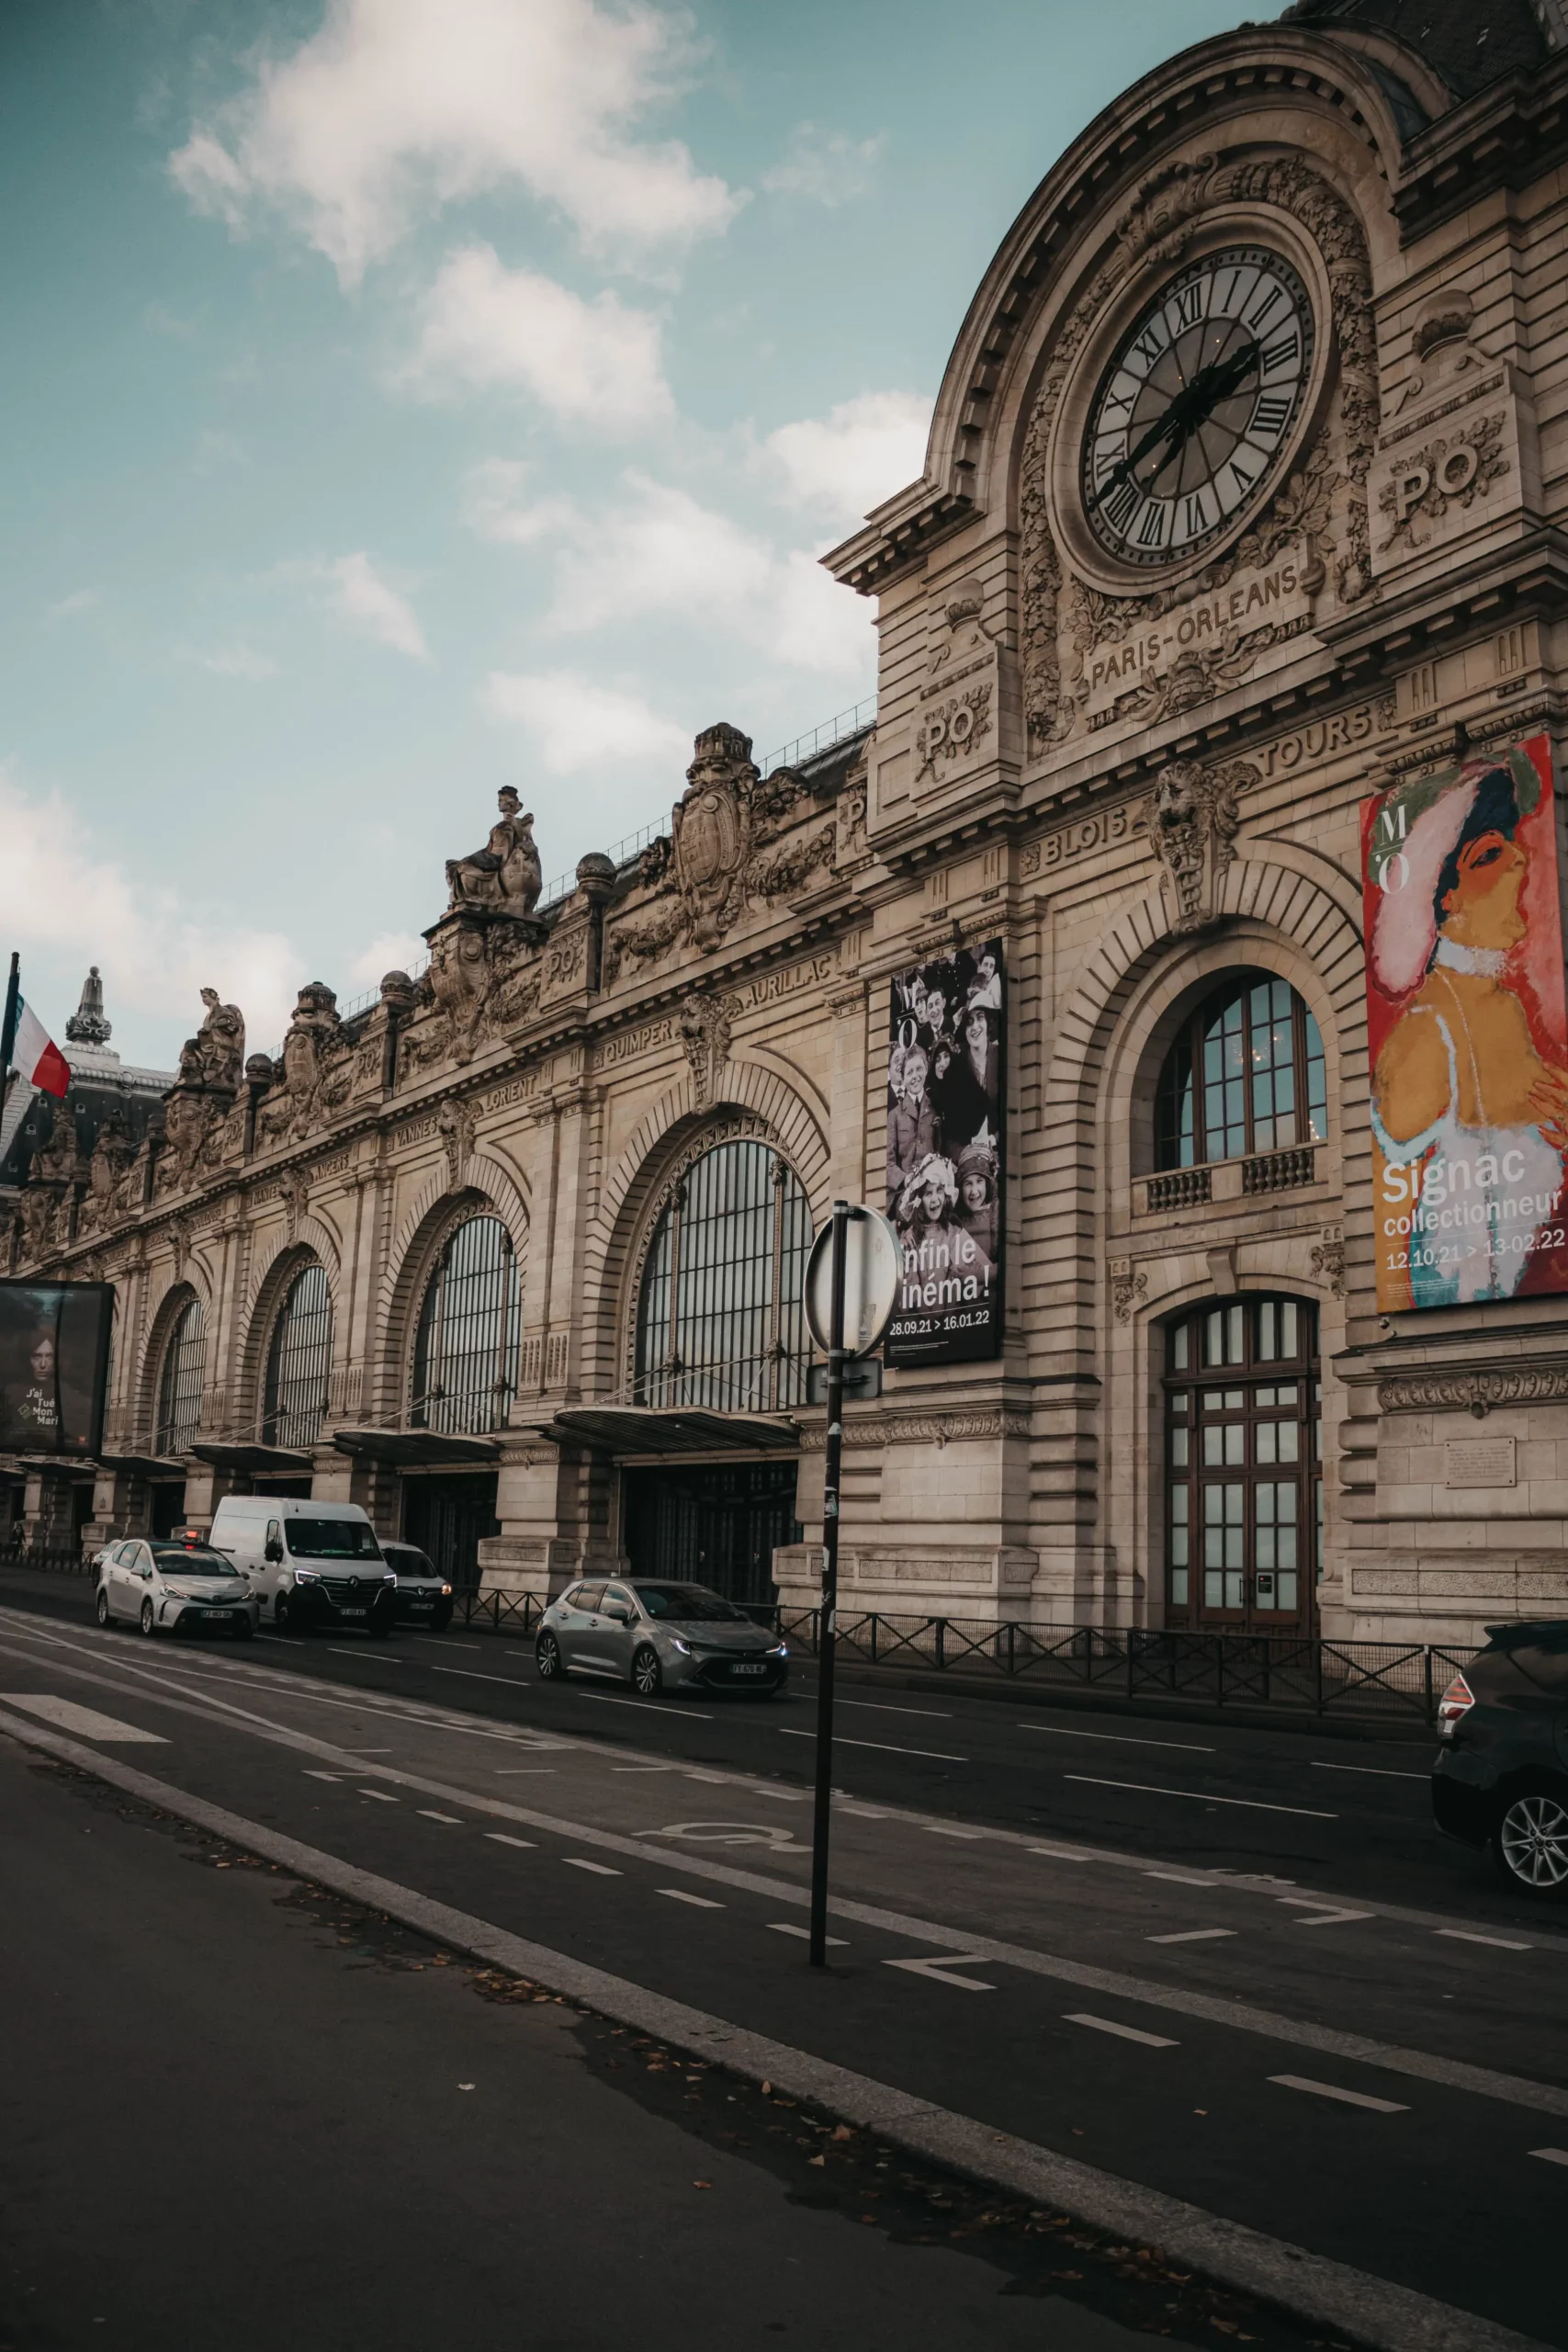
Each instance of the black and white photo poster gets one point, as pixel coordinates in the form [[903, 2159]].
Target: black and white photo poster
[[946, 1126]]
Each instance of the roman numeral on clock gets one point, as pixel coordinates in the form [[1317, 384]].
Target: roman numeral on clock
[[1194, 515], [1283, 351], [1122, 505], [1272, 414]]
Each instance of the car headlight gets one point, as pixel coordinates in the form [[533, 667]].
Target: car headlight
[[780, 1649], [684, 1647], [446, 1592], [390, 1576], [307, 1575]]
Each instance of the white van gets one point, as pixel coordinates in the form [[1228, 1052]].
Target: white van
[[310, 1564]]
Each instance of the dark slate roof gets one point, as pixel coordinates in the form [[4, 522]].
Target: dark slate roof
[[1468, 42]]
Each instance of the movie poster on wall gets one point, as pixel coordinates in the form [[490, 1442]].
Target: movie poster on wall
[[1467, 1031], [55, 1344], [946, 1128]]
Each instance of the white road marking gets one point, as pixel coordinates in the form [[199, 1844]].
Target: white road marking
[[648, 1706], [524, 1771], [500, 1837], [937, 1755], [714, 1780], [782, 1796], [426, 1814], [944, 1829], [788, 1927], [1331, 1918], [380, 1796], [1501, 1944], [1121, 1738], [643, 1768], [1191, 1936], [1065, 1853], [942, 1969], [1369, 1771], [1198, 1796], [472, 1674], [86, 1721], [1551, 2156], [600, 1870], [441, 1642], [879, 1707], [698, 1901], [861, 1812], [1178, 1878], [1124, 2032], [323, 1776], [1337, 2090]]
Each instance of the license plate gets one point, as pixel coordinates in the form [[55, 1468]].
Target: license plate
[[215, 1612], [354, 1612], [748, 1669], [426, 1605]]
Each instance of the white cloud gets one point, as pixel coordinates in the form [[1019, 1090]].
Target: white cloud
[[849, 461], [579, 724], [513, 331], [824, 165], [233, 661], [68, 608], [72, 907], [391, 951], [395, 108], [656, 553], [494, 505], [367, 601]]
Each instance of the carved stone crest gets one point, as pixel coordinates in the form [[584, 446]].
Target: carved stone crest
[[711, 832], [1191, 824], [702, 1026], [455, 1124], [953, 729]]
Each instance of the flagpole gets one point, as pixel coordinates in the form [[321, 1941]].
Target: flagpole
[[8, 1025]]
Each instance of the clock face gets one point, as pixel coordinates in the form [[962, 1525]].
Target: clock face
[[1194, 413]]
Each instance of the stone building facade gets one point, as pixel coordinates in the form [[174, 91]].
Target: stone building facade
[[511, 1254]]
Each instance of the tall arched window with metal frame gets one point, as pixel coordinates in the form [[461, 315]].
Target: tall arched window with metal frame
[[180, 1380], [719, 1320], [466, 1349], [298, 1362]]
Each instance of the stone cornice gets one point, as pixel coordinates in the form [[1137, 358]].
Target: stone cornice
[[1506, 137], [1476, 1392], [1531, 574], [908, 1426]]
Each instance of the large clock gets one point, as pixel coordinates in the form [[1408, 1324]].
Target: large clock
[[1194, 414]]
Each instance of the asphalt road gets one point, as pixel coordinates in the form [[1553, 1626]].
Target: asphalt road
[[1249, 2014], [1322, 1804]]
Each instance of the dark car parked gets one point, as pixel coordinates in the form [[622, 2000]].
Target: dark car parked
[[424, 1597], [1501, 1778]]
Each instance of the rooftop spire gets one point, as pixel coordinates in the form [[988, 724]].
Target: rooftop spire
[[87, 1025]]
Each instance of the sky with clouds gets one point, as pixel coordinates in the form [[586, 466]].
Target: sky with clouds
[[408, 397]]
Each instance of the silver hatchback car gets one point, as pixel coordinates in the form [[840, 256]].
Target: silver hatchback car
[[657, 1636]]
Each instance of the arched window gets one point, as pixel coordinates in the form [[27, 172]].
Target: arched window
[[1246, 1075], [719, 1319], [1244, 1466], [179, 1381], [298, 1362], [465, 1356]]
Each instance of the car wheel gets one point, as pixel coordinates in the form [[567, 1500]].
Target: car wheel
[[548, 1658], [147, 1620], [647, 1675], [1529, 1844], [103, 1605], [280, 1612]]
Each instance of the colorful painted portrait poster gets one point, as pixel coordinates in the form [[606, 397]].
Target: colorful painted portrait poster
[[946, 1128], [1468, 1032]]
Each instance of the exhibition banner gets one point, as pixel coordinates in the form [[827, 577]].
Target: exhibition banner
[[946, 1128], [1467, 1031], [54, 1349]]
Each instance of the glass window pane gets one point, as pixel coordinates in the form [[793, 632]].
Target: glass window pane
[[180, 1381], [1178, 1586], [298, 1363], [466, 1347], [1179, 1454], [720, 1316]]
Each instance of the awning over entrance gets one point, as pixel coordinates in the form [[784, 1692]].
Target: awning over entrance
[[145, 1466], [650, 1430], [419, 1448], [256, 1460]]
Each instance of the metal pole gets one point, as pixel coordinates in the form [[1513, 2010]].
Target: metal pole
[[8, 1025], [823, 1811]]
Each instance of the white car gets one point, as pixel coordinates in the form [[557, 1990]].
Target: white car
[[174, 1588]]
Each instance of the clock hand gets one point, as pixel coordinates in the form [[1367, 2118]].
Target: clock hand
[[1190, 409]]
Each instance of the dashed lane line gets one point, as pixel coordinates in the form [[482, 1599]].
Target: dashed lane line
[[682, 1894], [1351, 2301], [788, 1927], [1368, 1771], [1192, 1936], [1551, 2156], [1122, 2032], [648, 1706], [380, 1796], [453, 1820], [1338, 2091], [600, 1870], [86, 1721], [936, 1754], [1498, 1944], [500, 1837], [880, 1707], [1198, 1796], [1118, 1738]]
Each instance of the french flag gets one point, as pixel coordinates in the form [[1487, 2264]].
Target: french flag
[[35, 1055]]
